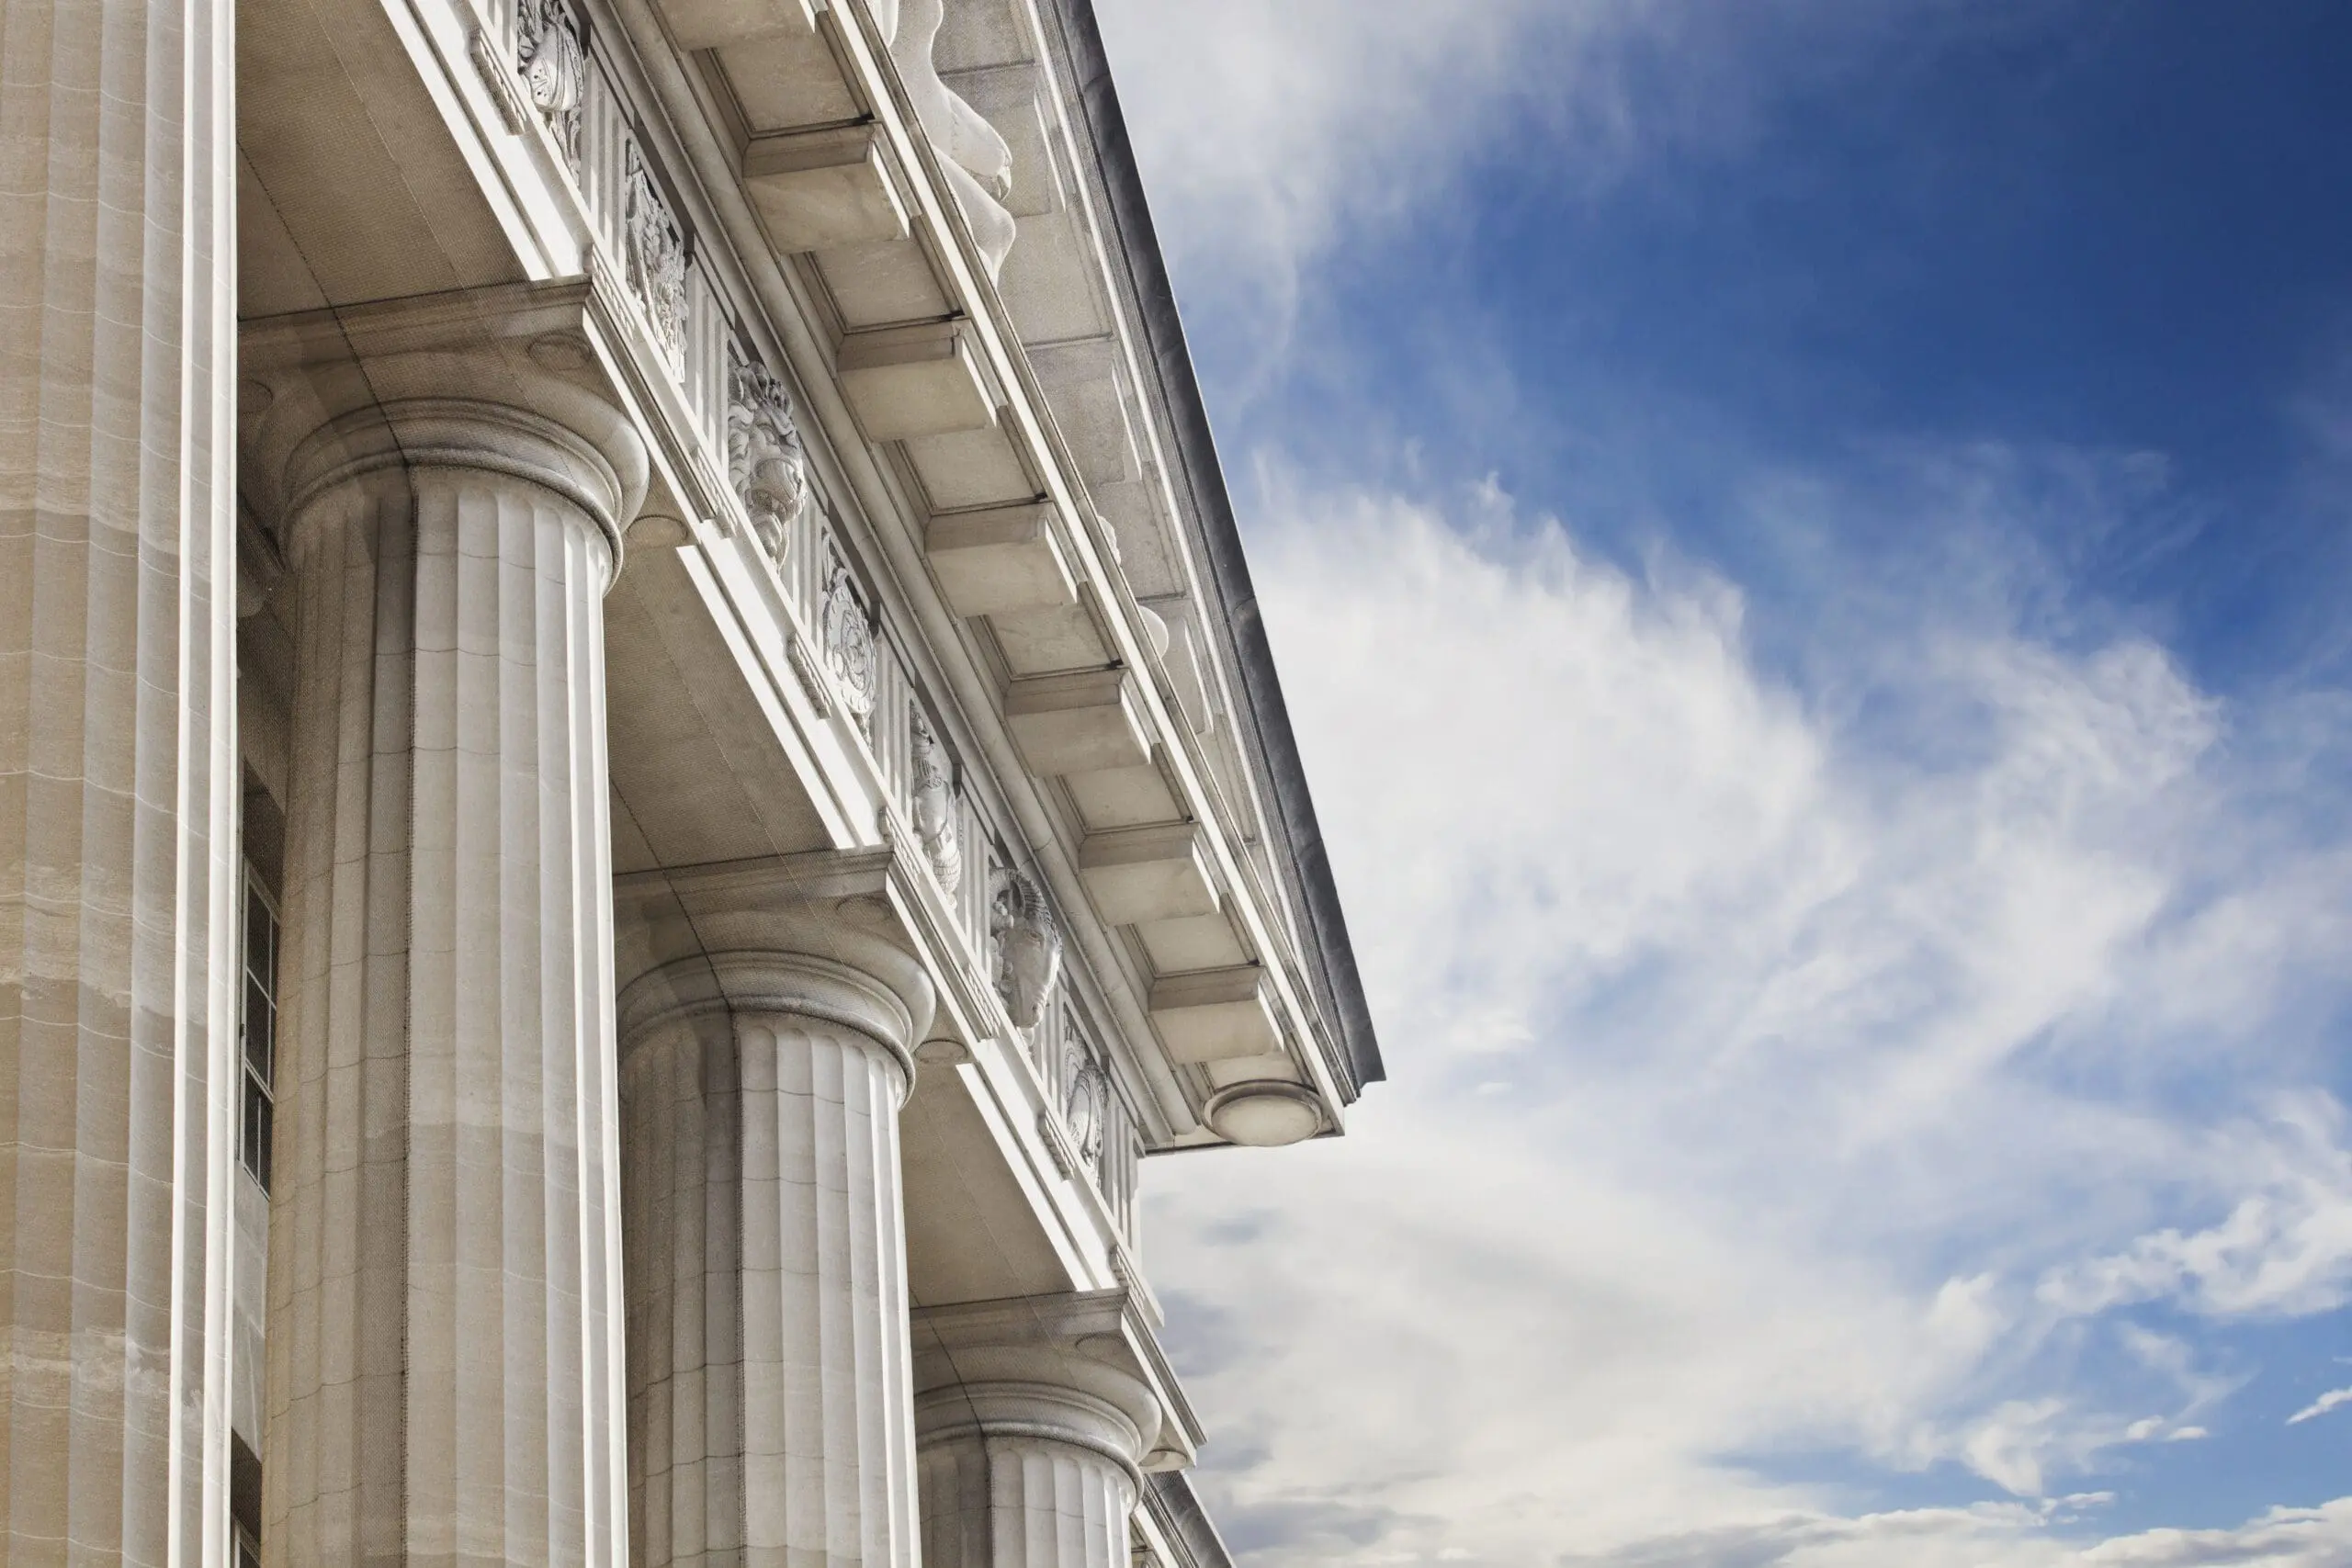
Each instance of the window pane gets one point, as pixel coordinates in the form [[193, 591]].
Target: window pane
[[257, 1027], [257, 1131], [268, 1135]]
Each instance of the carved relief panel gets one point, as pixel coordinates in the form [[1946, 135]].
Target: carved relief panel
[[1028, 945], [846, 635], [766, 462], [554, 66], [933, 792], [656, 245]]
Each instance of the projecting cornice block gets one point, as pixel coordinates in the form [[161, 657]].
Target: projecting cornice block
[[1081, 723], [711, 24], [921, 379], [819, 189], [1216, 1015], [1139, 874], [1000, 561]]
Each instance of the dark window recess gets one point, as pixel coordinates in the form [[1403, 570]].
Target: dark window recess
[[245, 1503], [257, 1030]]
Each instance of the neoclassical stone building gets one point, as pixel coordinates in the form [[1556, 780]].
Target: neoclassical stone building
[[637, 773]]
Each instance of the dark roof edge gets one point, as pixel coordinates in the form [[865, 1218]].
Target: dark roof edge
[[1333, 960], [1180, 1515]]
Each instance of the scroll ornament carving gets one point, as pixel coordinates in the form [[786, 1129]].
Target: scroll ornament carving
[[765, 460], [934, 807], [554, 68], [1085, 1105], [848, 643], [657, 255], [1028, 946]]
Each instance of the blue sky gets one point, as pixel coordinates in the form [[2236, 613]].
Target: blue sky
[[1805, 539]]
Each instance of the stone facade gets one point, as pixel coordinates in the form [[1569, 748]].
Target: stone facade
[[639, 773]]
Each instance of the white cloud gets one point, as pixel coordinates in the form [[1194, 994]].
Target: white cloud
[[1270, 130], [1779, 1090], [1264, 125], [1843, 1111], [1990, 1537], [2285, 1248], [2331, 1400]]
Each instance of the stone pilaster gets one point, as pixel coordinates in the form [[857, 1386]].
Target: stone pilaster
[[1032, 1424], [770, 1381], [117, 776], [444, 1349]]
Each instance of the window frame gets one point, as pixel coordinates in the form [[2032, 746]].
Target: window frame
[[257, 1083]]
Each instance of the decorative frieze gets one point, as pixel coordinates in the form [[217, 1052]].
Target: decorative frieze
[[934, 806], [657, 255], [554, 68], [1028, 946], [766, 462]]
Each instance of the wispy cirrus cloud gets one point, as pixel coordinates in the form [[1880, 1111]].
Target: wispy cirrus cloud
[[2334, 1398]]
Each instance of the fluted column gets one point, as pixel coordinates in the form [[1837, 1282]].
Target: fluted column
[[1030, 1441], [770, 1384], [117, 776], [445, 1357]]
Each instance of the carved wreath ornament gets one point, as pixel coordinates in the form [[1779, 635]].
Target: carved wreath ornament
[[657, 255], [1028, 946], [934, 807], [765, 460], [848, 643]]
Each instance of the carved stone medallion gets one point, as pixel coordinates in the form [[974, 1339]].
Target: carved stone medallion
[[848, 641], [554, 68], [934, 807], [765, 460], [1028, 946], [657, 255], [1085, 1106]]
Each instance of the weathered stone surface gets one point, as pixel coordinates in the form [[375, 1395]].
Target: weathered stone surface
[[445, 1357], [117, 776], [769, 1367]]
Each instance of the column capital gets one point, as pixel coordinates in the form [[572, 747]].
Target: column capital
[[1079, 1368], [517, 379], [819, 936], [862, 984]]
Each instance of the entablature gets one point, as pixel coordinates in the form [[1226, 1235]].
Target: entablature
[[900, 446]]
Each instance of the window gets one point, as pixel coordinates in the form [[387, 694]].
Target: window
[[257, 1030]]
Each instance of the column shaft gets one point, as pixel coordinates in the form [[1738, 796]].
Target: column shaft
[[771, 1418], [445, 1352], [997, 1501], [117, 776]]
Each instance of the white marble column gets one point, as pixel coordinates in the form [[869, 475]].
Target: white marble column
[[1023, 1477], [117, 776], [445, 1350], [1030, 1439], [770, 1382]]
